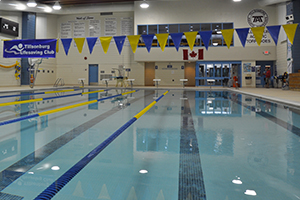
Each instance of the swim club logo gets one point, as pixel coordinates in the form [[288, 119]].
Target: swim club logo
[[29, 49], [257, 17]]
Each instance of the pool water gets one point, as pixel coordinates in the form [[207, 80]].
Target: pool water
[[190, 145]]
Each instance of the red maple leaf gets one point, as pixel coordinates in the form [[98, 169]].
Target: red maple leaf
[[193, 54]]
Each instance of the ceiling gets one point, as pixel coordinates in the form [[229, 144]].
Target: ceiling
[[80, 2]]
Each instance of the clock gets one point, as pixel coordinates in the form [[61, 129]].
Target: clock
[[9, 27]]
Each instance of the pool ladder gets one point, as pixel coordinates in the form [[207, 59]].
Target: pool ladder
[[59, 82]]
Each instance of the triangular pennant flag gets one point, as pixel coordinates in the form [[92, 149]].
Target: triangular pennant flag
[[119, 40], [160, 196], [79, 43], [57, 46], [91, 41], [132, 194], [227, 35], [290, 30], [205, 36], [162, 39], [190, 38], [243, 34], [274, 32], [133, 41], [66, 42], [176, 37], [105, 41], [148, 41], [258, 33]]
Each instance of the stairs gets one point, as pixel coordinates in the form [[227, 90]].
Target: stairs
[[294, 81]]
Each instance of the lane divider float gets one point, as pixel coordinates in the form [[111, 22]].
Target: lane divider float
[[57, 185], [61, 109]]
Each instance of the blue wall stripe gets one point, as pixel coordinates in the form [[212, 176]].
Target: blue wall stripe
[[57, 185]]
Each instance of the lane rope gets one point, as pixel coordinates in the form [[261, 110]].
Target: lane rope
[[61, 109], [57, 185]]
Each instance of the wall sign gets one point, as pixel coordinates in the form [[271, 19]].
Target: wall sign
[[257, 17], [9, 27]]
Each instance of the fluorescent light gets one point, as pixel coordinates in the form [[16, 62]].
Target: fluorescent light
[[31, 3], [237, 0], [56, 6], [144, 5]]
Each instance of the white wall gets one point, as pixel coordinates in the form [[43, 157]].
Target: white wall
[[169, 77], [7, 76], [74, 66]]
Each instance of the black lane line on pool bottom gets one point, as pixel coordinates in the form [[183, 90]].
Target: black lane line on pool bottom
[[9, 174], [191, 183]]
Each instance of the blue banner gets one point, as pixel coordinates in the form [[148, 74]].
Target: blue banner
[[41, 48]]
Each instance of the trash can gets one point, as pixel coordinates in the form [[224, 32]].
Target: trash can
[[248, 79]]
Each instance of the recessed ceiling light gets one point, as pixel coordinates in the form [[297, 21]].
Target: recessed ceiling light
[[237, 0], [56, 6], [31, 3], [144, 5]]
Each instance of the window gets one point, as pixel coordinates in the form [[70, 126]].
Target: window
[[216, 38]]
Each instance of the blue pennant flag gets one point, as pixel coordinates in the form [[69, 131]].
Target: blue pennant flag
[[66, 42], [176, 37], [91, 41], [205, 36], [148, 41], [119, 40], [243, 34], [274, 32], [32, 48]]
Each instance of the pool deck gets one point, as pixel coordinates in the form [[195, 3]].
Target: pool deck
[[289, 97]]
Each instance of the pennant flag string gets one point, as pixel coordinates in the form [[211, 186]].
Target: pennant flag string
[[119, 40], [175, 39]]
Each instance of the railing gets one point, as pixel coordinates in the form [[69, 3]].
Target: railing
[[59, 82]]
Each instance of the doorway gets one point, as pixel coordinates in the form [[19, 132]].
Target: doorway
[[93, 74]]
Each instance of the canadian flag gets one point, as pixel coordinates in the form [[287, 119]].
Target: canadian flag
[[192, 55]]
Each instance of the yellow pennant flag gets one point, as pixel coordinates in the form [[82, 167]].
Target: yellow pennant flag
[[227, 35], [133, 40], [290, 30], [162, 39], [258, 33], [105, 42], [57, 46], [79, 43], [190, 38]]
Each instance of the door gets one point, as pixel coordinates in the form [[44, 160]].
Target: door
[[260, 82], [93, 74], [149, 73]]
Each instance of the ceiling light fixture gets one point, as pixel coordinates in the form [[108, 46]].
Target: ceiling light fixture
[[31, 3], [144, 5], [56, 6], [237, 0]]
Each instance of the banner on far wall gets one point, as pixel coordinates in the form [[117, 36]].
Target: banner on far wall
[[41, 48]]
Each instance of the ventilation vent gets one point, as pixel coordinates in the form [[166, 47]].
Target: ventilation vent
[[106, 13]]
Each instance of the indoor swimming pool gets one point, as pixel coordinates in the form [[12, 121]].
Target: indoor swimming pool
[[190, 144]]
